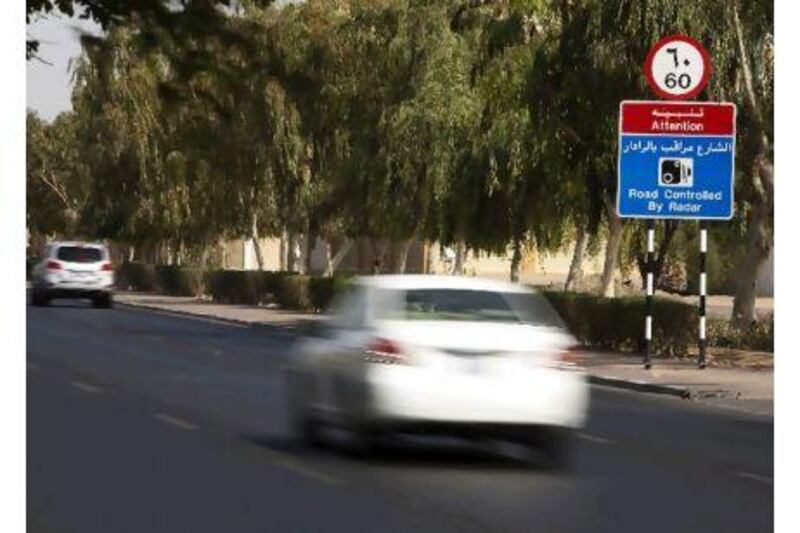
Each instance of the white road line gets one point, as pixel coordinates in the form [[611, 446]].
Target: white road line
[[174, 421], [86, 387], [283, 460], [595, 438], [755, 477]]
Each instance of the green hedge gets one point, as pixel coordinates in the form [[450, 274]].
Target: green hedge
[[322, 290], [174, 280], [618, 323], [179, 281], [758, 336], [289, 290], [140, 277], [233, 287], [294, 293], [247, 287]]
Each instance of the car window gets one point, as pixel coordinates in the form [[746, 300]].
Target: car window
[[452, 304], [79, 254], [533, 308], [470, 305]]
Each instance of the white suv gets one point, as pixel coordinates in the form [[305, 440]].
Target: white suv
[[74, 270]]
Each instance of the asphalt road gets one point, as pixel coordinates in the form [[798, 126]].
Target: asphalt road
[[145, 422]]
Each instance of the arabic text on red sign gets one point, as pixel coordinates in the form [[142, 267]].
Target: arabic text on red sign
[[683, 118]]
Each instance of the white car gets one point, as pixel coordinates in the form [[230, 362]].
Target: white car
[[73, 270], [439, 354]]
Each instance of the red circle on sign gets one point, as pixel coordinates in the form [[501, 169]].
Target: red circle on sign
[[648, 67]]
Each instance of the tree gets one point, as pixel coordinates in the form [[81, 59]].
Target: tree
[[57, 179]]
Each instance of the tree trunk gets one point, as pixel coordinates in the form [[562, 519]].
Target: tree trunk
[[341, 253], [516, 259], [607, 287], [460, 259], [428, 259], [291, 256], [400, 265], [256, 243], [179, 253], [759, 245], [378, 252], [223, 252], [759, 241], [576, 266], [282, 251], [311, 239], [299, 253]]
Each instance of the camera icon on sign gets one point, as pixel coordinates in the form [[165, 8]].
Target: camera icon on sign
[[676, 172]]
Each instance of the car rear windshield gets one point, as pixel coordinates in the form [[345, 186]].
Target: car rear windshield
[[475, 306], [77, 254]]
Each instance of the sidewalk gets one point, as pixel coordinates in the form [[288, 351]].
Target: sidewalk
[[747, 389], [740, 380], [240, 314]]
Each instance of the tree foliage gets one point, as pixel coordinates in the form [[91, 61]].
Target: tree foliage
[[485, 123]]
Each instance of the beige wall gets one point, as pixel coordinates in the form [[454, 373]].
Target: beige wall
[[535, 268]]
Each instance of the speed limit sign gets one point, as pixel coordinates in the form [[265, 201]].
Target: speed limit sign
[[677, 67]]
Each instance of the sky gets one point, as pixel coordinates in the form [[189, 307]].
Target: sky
[[49, 84]]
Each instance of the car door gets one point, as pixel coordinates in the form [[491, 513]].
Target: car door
[[344, 366]]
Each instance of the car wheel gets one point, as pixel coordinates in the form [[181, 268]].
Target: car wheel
[[40, 298], [368, 441], [104, 301], [305, 426], [555, 446]]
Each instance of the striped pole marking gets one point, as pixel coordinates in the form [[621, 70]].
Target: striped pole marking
[[701, 338], [648, 302]]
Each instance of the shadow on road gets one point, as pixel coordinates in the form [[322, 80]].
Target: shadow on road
[[408, 452]]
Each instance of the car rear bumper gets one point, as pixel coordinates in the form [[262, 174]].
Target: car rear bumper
[[406, 396], [76, 290]]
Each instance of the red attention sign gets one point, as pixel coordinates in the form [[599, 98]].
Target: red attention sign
[[677, 118]]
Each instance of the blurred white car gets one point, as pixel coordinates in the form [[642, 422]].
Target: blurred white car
[[440, 354], [73, 270]]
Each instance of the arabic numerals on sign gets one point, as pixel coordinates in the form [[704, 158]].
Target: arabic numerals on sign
[[677, 66]]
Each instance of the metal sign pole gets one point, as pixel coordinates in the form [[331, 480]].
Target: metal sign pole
[[648, 301], [701, 339]]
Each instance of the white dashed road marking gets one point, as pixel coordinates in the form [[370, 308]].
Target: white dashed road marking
[[175, 421], [755, 477], [86, 387], [595, 438], [285, 461]]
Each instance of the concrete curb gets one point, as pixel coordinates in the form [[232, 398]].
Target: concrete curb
[[189, 314], [642, 386]]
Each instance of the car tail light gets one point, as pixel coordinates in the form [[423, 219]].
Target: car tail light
[[107, 267], [569, 358], [384, 351], [53, 265]]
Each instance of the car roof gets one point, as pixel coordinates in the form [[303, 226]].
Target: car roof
[[79, 244], [433, 281]]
